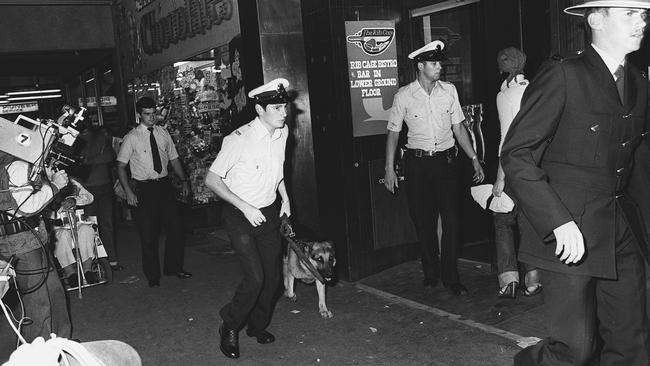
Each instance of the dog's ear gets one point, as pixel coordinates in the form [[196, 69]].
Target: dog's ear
[[334, 262]]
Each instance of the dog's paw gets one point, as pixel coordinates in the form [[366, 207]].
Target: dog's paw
[[326, 314], [293, 297]]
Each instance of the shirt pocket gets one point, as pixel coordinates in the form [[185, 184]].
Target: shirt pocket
[[251, 169], [415, 113], [443, 109]]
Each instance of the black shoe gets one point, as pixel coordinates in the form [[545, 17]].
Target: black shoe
[[457, 289], [154, 283], [508, 291], [263, 337], [183, 275], [229, 342], [430, 282]]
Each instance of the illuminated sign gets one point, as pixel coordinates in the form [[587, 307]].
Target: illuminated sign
[[18, 108]]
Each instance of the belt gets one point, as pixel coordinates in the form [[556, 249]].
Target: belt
[[419, 153], [18, 226], [156, 180]]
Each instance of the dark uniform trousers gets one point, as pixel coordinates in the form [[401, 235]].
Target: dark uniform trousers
[[157, 208], [432, 188], [258, 250], [619, 305]]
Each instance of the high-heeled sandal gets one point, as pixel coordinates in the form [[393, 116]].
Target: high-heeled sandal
[[532, 290], [508, 291]]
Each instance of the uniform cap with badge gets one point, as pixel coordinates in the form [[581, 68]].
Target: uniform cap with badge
[[580, 10], [433, 51], [273, 92]]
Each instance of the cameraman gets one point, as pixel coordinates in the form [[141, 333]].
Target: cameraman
[[21, 202]]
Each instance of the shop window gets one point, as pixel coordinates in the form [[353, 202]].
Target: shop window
[[199, 101]]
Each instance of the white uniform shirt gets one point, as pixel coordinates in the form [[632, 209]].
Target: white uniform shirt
[[136, 151], [251, 162], [509, 102], [428, 117]]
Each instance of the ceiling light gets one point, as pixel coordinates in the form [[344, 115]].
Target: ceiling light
[[11, 99], [35, 92]]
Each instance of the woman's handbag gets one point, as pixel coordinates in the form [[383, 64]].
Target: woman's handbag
[[482, 194]]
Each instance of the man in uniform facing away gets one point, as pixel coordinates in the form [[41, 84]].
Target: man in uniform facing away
[[432, 112], [248, 174], [578, 162]]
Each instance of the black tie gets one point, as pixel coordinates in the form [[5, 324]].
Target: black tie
[[620, 82], [155, 154]]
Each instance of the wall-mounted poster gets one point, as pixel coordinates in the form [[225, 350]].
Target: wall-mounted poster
[[372, 70]]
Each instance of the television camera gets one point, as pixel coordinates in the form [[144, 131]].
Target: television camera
[[43, 142]]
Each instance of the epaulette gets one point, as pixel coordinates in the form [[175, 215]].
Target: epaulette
[[242, 130]]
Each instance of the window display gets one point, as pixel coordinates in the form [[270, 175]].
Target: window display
[[199, 102]]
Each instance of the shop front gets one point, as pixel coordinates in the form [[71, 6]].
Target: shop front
[[186, 56]]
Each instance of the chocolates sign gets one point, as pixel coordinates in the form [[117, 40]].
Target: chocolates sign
[[194, 17], [157, 33], [372, 71]]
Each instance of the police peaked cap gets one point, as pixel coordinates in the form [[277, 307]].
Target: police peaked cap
[[582, 8], [433, 51], [273, 92]]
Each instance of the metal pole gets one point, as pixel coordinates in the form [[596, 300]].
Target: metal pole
[[98, 96]]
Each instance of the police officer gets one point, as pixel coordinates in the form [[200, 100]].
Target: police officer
[[432, 112], [577, 160], [21, 202], [248, 174]]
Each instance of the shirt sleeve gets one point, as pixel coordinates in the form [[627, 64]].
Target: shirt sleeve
[[227, 157], [457, 115], [506, 115], [126, 149], [396, 114], [30, 200], [171, 150]]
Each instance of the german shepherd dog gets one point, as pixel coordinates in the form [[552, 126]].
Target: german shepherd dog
[[321, 256]]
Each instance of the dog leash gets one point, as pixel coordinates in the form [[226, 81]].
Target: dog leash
[[287, 232]]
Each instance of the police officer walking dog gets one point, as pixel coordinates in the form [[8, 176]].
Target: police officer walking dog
[[248, 174], [578, 162], [432, 112]]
